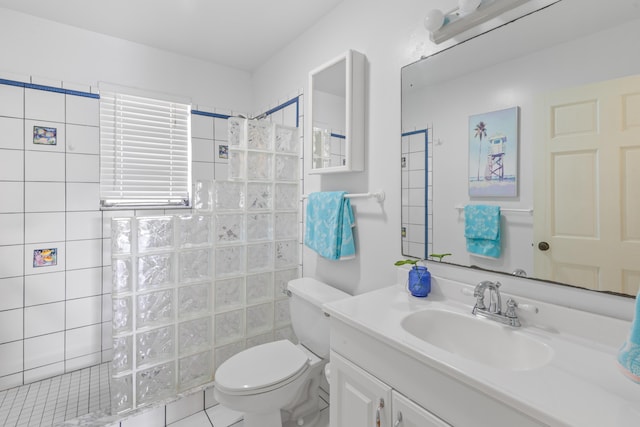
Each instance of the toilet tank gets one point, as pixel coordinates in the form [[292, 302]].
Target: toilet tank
[[308, 320]]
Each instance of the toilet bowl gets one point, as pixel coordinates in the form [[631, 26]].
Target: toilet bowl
[[279, 380]]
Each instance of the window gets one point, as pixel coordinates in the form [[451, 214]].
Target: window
[[145, 152]]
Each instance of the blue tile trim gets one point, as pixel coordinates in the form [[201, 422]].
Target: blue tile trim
[[49, 89], [292, 101], [415, 132], [208, 114], [337, 135]]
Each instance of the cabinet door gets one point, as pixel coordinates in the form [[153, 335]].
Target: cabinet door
[[405, 413], [357, 398]]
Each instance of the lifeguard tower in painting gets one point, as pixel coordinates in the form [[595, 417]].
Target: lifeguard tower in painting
[[495, 158]]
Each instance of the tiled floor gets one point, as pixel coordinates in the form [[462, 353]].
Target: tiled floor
[[53, 401], [219, 416]]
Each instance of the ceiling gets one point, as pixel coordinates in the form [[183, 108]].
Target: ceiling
[[241, 34]]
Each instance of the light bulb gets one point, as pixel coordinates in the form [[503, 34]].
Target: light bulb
[[433, 20], [467, 6]]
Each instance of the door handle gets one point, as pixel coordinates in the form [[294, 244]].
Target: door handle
[[543, 246], [378, 409]]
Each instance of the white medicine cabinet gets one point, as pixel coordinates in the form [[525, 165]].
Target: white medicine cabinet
[[336, 114]]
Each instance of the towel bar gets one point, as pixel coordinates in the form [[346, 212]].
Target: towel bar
[[379, 196], [529, 211]]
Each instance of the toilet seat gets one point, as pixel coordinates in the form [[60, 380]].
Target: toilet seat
[[262, 368]]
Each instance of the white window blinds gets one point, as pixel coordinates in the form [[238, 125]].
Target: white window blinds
[[145, 152]]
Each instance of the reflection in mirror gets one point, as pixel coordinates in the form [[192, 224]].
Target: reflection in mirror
[[336, 111], [329, 114], [572, 82]]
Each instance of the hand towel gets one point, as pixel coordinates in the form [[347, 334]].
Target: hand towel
[[329, 223], [629, 354], [482, 230]]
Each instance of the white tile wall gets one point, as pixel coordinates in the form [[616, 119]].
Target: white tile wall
[[44, 196], [84, 225], [11, 229], [83, 341], [12, 196], [83, 139], [43, 319], [12, 291], [11, 165], [83, 312], [50, 199], [12, 133], [83, 168], [83, 283], [44, 288], [44, 105], [44, 227], [83, 196], [13, 318], [84, 254], [43, 372], [82, 110], [11, 261], [44, 166], [43, 350], [11, 358]]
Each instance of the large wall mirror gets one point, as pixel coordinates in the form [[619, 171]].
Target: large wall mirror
[[336, 109], [570, 70]]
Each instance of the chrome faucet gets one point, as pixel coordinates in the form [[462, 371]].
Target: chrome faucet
[[494, 311]]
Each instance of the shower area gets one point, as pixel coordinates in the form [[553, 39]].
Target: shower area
[[139, 307]]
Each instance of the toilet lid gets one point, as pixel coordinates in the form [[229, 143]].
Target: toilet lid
[[261, 366]]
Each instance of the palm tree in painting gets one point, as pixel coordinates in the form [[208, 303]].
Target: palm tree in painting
[[481, 131]]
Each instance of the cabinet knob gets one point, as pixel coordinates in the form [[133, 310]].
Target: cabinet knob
[[398, 420], [543, 246]]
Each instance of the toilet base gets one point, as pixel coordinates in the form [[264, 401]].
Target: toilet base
[[271, 419]]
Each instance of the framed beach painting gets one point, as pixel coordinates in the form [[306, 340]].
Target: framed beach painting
[[493, 153]]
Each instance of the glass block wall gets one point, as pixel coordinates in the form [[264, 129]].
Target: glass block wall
[[189, 291]]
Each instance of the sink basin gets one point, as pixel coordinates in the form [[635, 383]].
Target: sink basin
[[480, 340]]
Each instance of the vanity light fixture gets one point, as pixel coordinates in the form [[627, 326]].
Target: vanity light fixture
[[468, 14]]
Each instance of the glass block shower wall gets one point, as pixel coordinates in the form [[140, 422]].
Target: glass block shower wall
[[189, 291]]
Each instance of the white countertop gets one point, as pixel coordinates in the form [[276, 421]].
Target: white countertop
[[580, 386]]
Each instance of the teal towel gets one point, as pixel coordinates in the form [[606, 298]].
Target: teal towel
[[329, 223], [629, 354], [482, 230]]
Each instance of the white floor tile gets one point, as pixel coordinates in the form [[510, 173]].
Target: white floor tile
[[199, 419], [221, 416]]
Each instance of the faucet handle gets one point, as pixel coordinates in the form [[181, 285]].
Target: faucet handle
[[512, 305]]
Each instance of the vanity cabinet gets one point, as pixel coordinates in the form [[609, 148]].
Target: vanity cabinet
[[358, 399]]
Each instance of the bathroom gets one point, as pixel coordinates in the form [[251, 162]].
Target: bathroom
[[391, 35]]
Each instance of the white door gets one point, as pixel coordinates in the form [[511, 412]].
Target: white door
[[406, 413], [587, 186], [357, 399]]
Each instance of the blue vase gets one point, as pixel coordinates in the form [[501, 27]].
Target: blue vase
[[419, 281]]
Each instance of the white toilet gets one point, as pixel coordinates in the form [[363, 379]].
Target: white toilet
[[278, 381]]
